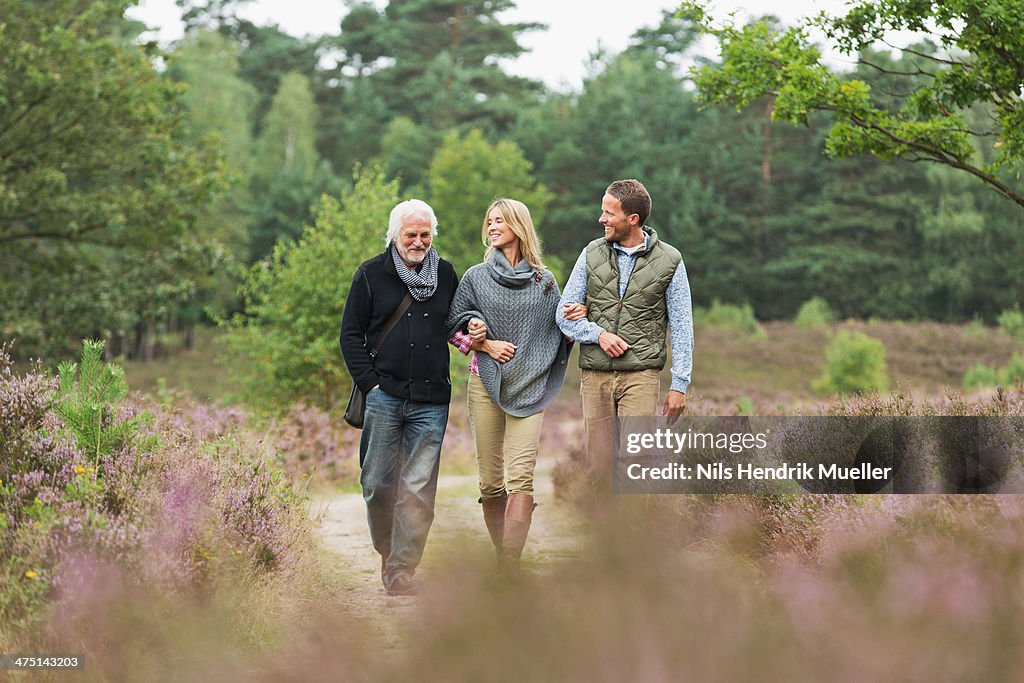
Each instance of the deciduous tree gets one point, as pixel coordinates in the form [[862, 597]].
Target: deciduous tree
[[95, 169], [972, 59]]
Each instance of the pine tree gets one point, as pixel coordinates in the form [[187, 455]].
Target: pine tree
[[88, 396], [432, 61]]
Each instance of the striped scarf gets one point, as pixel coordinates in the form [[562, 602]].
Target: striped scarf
[[422, 284]]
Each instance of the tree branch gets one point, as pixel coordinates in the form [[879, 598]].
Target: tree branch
[[17, 119], [893, 72], [941, 156], [925, 55], [46, 136], [80, 236]]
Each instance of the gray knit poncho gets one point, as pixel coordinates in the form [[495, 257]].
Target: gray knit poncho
[[518, 304]]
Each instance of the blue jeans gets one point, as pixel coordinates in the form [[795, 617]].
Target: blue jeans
[[400, 450]]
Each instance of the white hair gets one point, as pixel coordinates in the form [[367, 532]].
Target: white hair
[[412, 207]]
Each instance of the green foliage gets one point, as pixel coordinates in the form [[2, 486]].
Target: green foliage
[[1011, 321], [406, 149], [971, 69], [744, 405], [88, 394], [638, 114], [815, 312], [97, 173], [980, 376], [219, 103], [288, 174], [976, 329], [435, 61], [466, 174], [288, 134], [285, 344], [1013, 371], [732, 316], [268, 54], [220, 115], [854, 364], [197, 13]]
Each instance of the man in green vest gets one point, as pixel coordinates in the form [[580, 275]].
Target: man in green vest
[[636, 292]]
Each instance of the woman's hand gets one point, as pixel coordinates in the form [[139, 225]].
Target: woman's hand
[[477, 330], [500, 351], [574, 311]]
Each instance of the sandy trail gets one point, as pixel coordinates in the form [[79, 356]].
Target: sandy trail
[[557, 534]]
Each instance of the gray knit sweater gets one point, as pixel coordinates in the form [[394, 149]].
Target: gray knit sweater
[[518, 304]]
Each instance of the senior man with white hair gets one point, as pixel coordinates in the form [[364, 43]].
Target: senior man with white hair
[[406, 383]]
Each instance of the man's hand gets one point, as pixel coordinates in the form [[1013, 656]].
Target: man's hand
[[675, 404], [500, 351], [574, 311], [477, 330], [612, 344]]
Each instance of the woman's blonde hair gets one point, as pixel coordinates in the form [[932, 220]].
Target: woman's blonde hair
[[517, 217]]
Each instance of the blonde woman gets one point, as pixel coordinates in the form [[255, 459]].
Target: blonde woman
[[518, 368]]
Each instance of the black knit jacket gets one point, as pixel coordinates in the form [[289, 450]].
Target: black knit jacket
[[413, 361]]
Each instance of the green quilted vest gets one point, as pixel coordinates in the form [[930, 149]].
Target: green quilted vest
[[641, 317]]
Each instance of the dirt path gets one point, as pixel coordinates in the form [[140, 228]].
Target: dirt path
[[556, 535]]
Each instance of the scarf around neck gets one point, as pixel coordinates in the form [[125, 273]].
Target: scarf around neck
[[422, 284], [504, 274]]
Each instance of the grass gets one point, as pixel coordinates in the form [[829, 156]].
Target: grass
[[195, 372], [732, 373], [923, 358]]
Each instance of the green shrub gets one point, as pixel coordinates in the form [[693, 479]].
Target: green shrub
[[854, 364], [815, 312], [976, 329], [980, 376], [1013, 372], [744, 405], [286, 343], [1011, 321], [735, 317]]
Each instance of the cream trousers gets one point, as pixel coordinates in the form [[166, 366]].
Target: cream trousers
[[502, 442]]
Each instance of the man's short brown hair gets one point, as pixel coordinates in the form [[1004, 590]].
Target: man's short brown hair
[[633, 196]]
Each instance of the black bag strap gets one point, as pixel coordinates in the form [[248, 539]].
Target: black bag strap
[[392, 321]]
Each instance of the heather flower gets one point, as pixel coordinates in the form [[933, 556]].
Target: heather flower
[[190, 494]]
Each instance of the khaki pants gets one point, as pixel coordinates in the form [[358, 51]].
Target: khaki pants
[[502, 441], [608, 394]]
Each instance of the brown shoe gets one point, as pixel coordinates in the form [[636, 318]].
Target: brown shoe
[[518, 516], [403, 585]]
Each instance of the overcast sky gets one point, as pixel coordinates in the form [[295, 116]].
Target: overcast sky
[[557, 56]]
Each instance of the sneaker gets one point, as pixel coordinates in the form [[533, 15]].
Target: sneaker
[[403, 585]]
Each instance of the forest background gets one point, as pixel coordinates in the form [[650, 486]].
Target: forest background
[[202, 206], [143, 187]]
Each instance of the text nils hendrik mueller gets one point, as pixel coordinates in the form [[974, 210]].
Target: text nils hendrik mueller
[[665, 440]]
